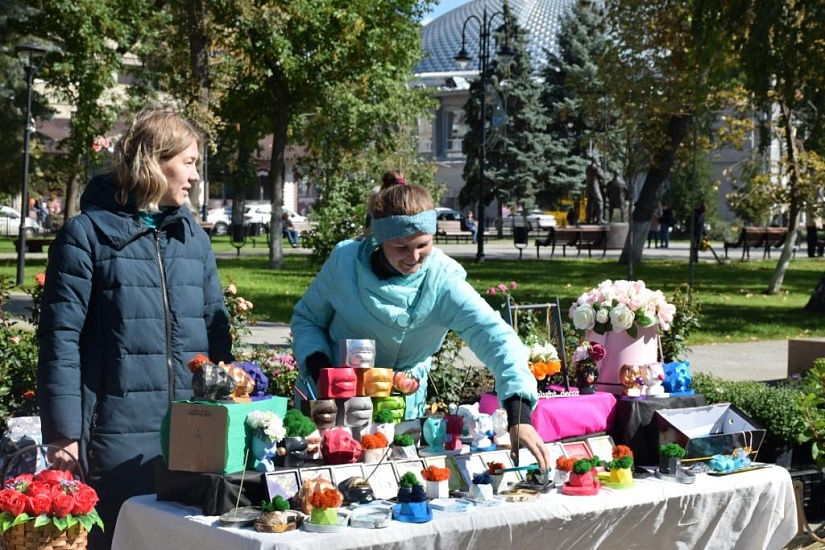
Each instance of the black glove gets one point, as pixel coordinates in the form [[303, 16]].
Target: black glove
[[315, 363]]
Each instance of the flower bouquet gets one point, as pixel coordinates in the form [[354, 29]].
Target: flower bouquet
[[585, 359], [267, 430], [621, 306], [544, 361], [50, 507]]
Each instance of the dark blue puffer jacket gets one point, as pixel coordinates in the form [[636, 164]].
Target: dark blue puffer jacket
[[124, 309]]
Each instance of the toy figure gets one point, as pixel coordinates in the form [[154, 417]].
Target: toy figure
[[653, 375], [265, 451], [482, 433], [502, 435], [632, 379], [291, 452], [469, 413]]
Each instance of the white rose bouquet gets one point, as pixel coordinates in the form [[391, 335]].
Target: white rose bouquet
[[621, 306], [267, 423]]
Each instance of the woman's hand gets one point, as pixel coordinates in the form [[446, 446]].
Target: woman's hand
[[525, 435], [60, 459]]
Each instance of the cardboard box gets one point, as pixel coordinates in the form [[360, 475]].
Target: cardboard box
[[709, 430], [201, 436], [802, 352]]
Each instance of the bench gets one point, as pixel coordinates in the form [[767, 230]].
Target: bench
[[580, 236], [34, 244], [758, 237], [451, 229]]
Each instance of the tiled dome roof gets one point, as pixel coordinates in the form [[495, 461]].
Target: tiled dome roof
[[441, 38]]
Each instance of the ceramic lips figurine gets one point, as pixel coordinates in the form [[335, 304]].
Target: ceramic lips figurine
[[378, 382], [357, 414], [360, 354], [324, 413], [337, 383], [395, 404]]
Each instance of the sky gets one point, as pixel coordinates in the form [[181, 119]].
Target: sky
[[443, 7]]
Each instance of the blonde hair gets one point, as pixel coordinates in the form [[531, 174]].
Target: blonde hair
[[155, 135], [398, 198]]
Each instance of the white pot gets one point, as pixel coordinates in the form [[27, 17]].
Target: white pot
[[437, 489], [371, 456]]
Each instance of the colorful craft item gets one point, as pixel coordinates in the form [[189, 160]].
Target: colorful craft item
[[339, 447], [395, 404], [244, 384], [337, 383], [324, 413], [452, 441], [374, 382], [404, 383]]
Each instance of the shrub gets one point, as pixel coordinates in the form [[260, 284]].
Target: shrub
[[403, 440], [297, 424], [685, 321], [813, 407], [671, 450]]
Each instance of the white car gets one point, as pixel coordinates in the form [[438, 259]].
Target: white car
[[536, 220], [10, 223], [262, 213], [221, 219]]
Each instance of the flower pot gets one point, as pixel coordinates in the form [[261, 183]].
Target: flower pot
[[277, 522], [495, 481], [292, 452], [621, 475], [481, 492], [403, 453], [669, 464], [324, 516], [623, 349], [264, 452], [437, 489], [582, 480], [388, 429], [371, 456], [26, 535]]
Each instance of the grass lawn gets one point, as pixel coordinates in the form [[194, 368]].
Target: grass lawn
[[734, 308]]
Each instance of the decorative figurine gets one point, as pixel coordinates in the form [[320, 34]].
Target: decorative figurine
[[435, 431], [502, 435], [337, 383], [452, 441], [482, 433]]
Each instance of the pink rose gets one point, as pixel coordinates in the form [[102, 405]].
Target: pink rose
[[597, 352]]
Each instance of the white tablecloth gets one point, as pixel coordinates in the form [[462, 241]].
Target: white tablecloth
[[747, 510]]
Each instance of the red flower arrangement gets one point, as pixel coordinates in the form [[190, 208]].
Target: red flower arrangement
[[50, 496], [494, 467], [621, 451], [326, 498], [374, 441], [197, 362], [434, 473], [565, 464]]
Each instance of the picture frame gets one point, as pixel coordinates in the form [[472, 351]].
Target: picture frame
[[414, 465], [381, 478], [576, 449], [457, 482], [284, 483], [343, 472], [601, 447], [556, 451], [510, 478], [313, 473], [469, 465]]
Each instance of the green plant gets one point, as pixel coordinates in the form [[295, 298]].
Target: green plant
[[621, 463], [449, 383], [671, 450], [278, 364], [813, 407], [685, 321], [277, 504], [239, 310], [408, 481], [297, 424], [384, 417], [583, 465], [18, 360], [403, 440], [778, 409]]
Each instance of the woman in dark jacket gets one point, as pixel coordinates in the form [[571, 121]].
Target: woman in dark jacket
[[132, 293]]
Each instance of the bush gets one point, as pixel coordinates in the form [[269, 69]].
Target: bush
[[813, 406], [449, 383], [778, 409]]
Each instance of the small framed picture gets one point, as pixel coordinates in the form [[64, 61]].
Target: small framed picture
[[343, 472], [284, 483], [510, 478], [312, 473], [525, 457], [601, 447], [403, 466], [556, 451], [576, 449], [381, 478], [470, 465]]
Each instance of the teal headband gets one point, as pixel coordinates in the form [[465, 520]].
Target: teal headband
[[395, 227]]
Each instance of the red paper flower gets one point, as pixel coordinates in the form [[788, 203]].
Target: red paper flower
[[621, 451], [326, 498], [374, 441], [197, 362], [434, 473]]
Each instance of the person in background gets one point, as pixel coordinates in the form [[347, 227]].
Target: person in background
[[131, 295], [698, 230], [470, 224], [289, 230], [653, 229], [668, 220], [395, 288]]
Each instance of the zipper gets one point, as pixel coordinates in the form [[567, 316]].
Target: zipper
[[170, 371]]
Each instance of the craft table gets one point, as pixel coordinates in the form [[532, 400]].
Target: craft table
[[634, 427], [747, 510], [562, 417]]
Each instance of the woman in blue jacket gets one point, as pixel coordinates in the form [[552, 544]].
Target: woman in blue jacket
[[395, 288], [132, 293]]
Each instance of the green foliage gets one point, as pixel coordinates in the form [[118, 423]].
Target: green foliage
[[239, 310], [340, 214], [778, 409], [384, 417], [451, 383], [621, 463], [297, 424], [403, 440], [671, 450], [685, 321], [584, 465], [813, 407], [277, 504], [408, 481], [18, 360]]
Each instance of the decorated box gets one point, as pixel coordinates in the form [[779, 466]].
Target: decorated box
[[204, 436]]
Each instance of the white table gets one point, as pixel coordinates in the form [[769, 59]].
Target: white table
[[747, 510]]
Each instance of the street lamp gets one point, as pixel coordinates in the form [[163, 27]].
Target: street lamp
[[505, 55], [32, 55]]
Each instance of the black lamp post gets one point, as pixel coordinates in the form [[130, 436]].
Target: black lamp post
[[32, 56], [505, 55]]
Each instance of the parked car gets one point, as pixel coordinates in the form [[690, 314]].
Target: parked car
[[262, 213], [448, 214], [10, 223], [221, 219], [536, 220]]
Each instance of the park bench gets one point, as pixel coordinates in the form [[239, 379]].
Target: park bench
[[758, 237], [34, 244], [451, 229], [580, 236]]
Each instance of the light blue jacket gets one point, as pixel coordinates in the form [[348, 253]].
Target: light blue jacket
[[408, 317]]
